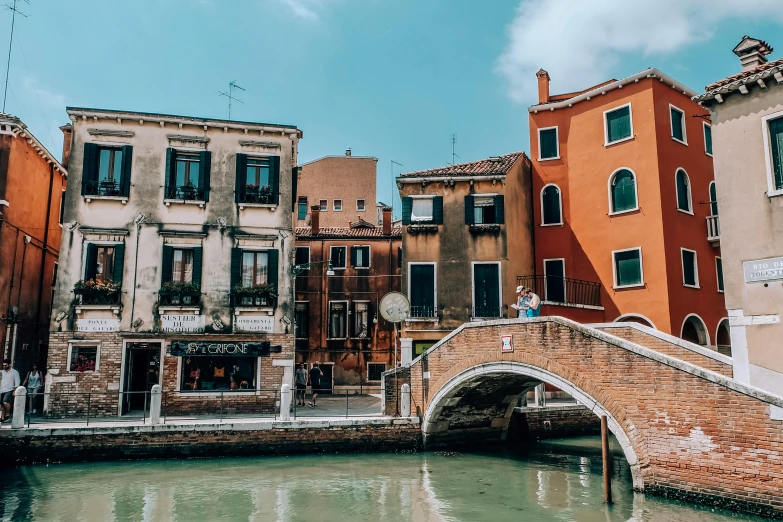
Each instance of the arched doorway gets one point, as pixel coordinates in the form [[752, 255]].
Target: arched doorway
[[723, 337], [635, 318], [693, 330]]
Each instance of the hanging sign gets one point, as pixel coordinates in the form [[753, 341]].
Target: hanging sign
[[506, 343], [97, 325], [254, 323], [184, 323]]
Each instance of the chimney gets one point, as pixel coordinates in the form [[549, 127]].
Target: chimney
[[543, 86], [752, 52], [348, 151], [387, 221], [67, 138], [315, 220]]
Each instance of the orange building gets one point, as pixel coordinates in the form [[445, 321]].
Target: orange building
[[626, 227]]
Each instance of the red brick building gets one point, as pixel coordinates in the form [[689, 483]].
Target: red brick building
[[32, 185]]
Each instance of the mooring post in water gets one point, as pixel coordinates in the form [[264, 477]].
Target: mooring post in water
[[607, 459]]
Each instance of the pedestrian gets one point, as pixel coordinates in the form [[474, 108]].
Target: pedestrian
[[315, 382], [521, 306], [33, 383], [534, 304], [8, 385], [301, 384]]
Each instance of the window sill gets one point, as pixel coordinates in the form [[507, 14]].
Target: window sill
[[774, 193], [200, 203], [260, 308], [708, 153], [681, 142], [123, 199], [493, 227], [360, 267], [74, 372], [422, 228], [621, 212], [433, 319], [549, 159], [623, 140], [115, 308], [270, 206], [696, 287], [552, 224], [195, 310], [626, 287], [689, 212], [336, 338], [721, 291]]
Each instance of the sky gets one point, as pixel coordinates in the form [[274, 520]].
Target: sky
[[392, 79]]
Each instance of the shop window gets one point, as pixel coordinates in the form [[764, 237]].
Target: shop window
[[337, 256], [338, 314], [301, 206], [622, 191], [375, 371], [360, 256], [628, 268], [551, 206], [301, 318], [361, 319], [83, 358], [218, 373], [337, 205], [619, 124], [678, 124], [484, 210], [548, 147]]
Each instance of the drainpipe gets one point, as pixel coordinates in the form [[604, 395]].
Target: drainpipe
[[27, 240], [135, 271], [45, 250]]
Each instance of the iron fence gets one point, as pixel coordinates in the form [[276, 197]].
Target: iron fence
[[186, 193], [104, 188], [563, 289], [422, 312]]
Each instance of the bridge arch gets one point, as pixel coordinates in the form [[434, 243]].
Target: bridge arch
[[448, 391]]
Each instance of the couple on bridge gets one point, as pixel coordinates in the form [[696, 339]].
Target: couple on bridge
[[528, 303]]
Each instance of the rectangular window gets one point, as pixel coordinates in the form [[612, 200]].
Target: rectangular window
[[548, 147], [421, 289], [83, 358], [337, 205], [776, 148], [209, 373], [628, 268], [324, 204], [484, 210], [708, 139], [361, 319], [302, 256], [419, 347], [109, 172], [257, 174], [186, 173], [302, 327], [62, 207], [486, 290], [375, 371], [719, 269], [678, 124], [255, 269], [54, 273], [690, 271], [554, 274], [104, 264], [360, 256], [360, 205], [619, 124], [338, 313], [301, 207], [421, 209], [182, 265], [337, 256]]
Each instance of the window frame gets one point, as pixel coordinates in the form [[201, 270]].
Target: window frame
[[431, 217], [369, 257], [352, 312], [713, 201], [690, 193], [346, 261], [565, 286], [614, 268], [362, 207], [85, 343], [683, 126], [719, 277], [557, 143], [607, 143], [296, 248], [307, 315], [560, 202], [255, 253], [612, 212], [706, 126], [299, 201], [490, 195], [473, 286], [376, 364], [329, 320], [765, 131], [434, 289], [695, 267], [61, 216], [323, 205], [336, 207]]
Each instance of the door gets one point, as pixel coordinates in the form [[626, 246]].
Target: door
[[554, 272], [142, 372], [327, 379], [486, 290]]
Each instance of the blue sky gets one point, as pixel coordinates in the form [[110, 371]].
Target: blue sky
[[392, 79]]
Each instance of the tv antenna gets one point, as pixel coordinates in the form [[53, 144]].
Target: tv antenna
[[14, 10], [453, 147], [230, 95]]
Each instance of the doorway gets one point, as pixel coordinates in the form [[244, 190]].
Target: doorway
[[486, 291], [327, 380], [142, 372], [554, 274]]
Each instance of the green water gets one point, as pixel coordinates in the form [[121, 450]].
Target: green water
[[555, 481]]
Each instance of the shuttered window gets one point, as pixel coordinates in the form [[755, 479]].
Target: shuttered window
[[188, 175], [360, 256], [104, 263], [486, 290], [776, 144], [424, 210], [550, 204], [719, 269], [683, 191], [618, 124], [106, 171], [337, 257], [258, 179], [302, 256], [678, 124], [690, 272], [623, 191], [713, 199], [547, 143], [422, 290], [628, 267], [301, 208], [708, 139]]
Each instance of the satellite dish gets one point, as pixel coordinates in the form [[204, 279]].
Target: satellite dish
[[395, 307]]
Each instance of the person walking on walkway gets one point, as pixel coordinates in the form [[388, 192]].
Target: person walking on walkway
[[534, 304], [315, 382], [8, 385], [33, 383], [301, 384]]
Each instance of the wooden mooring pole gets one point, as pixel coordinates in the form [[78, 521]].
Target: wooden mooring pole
[[607, 460]]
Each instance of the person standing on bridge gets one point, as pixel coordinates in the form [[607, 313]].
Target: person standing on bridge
[[521, 306], [534, 304]]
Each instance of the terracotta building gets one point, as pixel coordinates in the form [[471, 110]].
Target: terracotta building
[[747, 116], [626, 228], [343, 187], [467, 235], [32, 186], [337, 318]]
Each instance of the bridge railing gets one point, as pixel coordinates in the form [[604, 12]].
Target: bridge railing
[[563, 290]]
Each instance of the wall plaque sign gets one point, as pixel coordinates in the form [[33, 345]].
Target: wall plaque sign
[[254, 323], [763, 270], [184, 323], [227, 349], [97, 325], [506, 343]]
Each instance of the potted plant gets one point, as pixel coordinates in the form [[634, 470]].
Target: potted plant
[[257, 295], [180, 292]]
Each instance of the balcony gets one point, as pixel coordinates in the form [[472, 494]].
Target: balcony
[[185, 194], [102, 295], [487, 312], [564, 291], [261, 296], [423, 312], [105, 189], [713, 230], [252, 196]]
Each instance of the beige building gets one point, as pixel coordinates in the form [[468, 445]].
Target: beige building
[[747, 134], [343, 187]]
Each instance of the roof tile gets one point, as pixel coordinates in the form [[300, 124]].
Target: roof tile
[[744, 74], [347, 232], [497, 166]]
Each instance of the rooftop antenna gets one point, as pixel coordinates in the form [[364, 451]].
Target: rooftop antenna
[[230, 94], [14, 10], [453, 146]]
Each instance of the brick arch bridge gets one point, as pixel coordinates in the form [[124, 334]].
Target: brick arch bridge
[[687, 428]]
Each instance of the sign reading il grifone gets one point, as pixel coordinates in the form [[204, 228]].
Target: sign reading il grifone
[[238, 349], [97, 325], [763, 270], [184, 323]]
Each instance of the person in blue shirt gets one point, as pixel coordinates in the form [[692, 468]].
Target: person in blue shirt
[[533, 304]]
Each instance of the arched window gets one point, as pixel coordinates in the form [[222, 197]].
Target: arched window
[[713, 199], [622, 191], [635, 318], [683, 191], [551, 206], [693, 330], [723, 337]]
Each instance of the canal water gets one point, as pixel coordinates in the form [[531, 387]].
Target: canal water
[[555, 481]]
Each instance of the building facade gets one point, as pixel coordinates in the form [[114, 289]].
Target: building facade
[[343, 187], [338, 322], [175, 266], [626, 228], [747, 127], [32, 186], [467, 235]]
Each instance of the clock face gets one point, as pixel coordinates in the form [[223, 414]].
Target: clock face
[[394, 307]]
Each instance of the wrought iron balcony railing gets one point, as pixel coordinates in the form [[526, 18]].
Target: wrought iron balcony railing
[[252, 299], [179, 298], [89, 297], [422, 312], [186, 193], [487, 312], [251, 194], [103, 188], [563, 289]]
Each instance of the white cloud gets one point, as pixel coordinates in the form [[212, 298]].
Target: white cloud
[[580, 41]]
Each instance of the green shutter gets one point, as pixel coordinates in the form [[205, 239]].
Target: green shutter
[[422, 287], [170, 179], [274, 178], [407, 207], [294, 186], [551, 202], [486, 290], [470, 217], [683, 201], [353, 255], [713, 199], [618, 124], [89, 169], [719, 265], [167, 265], [548, 143], [623, 191], [776, 144], [437, 210], [90, 262], [677, 132], [500, 210], [241, 177], [119, 262], [688, 268], [708, 139], [628, 268], [272, 267], [197, 265], [236, 267], [127, 160], [204, 168]]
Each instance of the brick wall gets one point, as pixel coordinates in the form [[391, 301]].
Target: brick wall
[[552, 423]]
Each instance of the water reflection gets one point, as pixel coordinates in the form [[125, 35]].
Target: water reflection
[[558, 481]]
